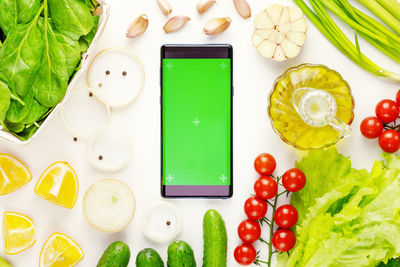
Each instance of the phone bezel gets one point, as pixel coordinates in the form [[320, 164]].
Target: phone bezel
[[196, 51]]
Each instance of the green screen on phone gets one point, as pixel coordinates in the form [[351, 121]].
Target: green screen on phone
[[196, 121]]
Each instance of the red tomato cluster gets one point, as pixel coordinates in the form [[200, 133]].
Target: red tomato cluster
[[383, 125], [256, 208]]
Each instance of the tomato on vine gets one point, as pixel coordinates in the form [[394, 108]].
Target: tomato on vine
[[389, 141], [286, 216], [249, 231], [245, 254], [283, 240], [294, 180], [265, 164], [265, 187], [371, 127], [387, 110], [255, 208]]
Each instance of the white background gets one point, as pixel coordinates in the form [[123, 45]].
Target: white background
[[253, 78]]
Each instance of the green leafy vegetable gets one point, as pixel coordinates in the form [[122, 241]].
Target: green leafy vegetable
[[71, 17], [347, 217], [13, 12], [5, 98], [20, 56], [41, 46], [52, 78]]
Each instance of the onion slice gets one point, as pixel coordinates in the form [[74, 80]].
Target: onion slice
[[109, 205], [117, 76], [83, 113], [162, 222], [110, 149]]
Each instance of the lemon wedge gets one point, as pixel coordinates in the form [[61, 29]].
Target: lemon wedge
[[58, 185], [13, 174], [18, 232], [60, 251]]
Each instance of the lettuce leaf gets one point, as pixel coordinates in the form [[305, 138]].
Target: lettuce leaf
[[348, 217]]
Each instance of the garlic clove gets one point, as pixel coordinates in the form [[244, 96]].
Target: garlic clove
[[299, 25], [277, 37], [279, 54], [297, 37], [291, 49], [243, 8], [275, 12], [265, 34], [165, 7], [175, 23], [204, 5], [267, 48], [295, 13], [263, 21], [285, 17], [256, 39], [217, 25], [138, 26]]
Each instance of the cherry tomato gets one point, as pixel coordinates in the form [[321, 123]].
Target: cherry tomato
[[398, 97], [286, 216], [249, 231], [387, 110], [371, 127], [283, 240], [265, 187], [294, 180], [255, 208], [389, 141], [265, 164], [245, 254]]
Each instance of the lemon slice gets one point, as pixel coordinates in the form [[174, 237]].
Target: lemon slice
[[18, 232], [58, 185], [13, 174], [60, 251]]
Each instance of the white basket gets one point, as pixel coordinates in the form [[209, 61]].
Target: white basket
[[85, 60]]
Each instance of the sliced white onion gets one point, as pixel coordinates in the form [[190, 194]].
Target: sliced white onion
[[162, 222], [83, 114], [110, 149], [117, 75], [109, 205]]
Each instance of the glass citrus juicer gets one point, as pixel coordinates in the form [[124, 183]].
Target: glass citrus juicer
[[311, 107]]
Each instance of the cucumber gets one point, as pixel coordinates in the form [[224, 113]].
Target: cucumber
[[116, 255], [215, 240], [180, 254], [148, 257]]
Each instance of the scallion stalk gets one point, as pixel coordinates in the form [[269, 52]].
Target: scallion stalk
[[321, 19], [392, 6], [382, 13]]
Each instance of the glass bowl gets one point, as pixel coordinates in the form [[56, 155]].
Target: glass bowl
[[288, 123]]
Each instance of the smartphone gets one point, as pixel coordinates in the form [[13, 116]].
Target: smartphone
[[196, 121]]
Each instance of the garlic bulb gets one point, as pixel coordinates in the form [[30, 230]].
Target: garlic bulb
[[280, 32]]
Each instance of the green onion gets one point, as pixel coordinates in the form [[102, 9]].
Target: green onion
[[370, 29], [383, 13]]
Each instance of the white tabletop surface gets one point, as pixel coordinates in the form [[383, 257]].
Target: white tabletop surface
[[253, 78]]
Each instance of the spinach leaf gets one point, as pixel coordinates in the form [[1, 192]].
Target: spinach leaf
[[20, 56], [17, 111], [13, 12], [90, 36], [52, 78], [35, 113], [27, 132], [71, 17], [14, 127], [5, 98], [71, 49]]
